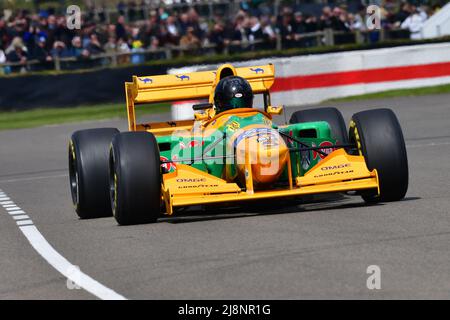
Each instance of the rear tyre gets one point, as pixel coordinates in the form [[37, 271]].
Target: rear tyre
[[135, 178], [331, 115], [379, 138], [89, 171]]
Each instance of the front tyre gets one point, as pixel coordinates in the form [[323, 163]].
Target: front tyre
[[135, 178], [379, 138], [89, 171]]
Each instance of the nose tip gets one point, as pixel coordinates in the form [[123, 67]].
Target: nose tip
[[267, 157]]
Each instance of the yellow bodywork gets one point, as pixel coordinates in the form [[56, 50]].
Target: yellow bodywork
[[187, 86], [189, 186], [338, 172]]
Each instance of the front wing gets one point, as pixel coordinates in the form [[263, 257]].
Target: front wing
[[338, 172]]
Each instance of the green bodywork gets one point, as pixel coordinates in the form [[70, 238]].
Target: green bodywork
[[191, 146]]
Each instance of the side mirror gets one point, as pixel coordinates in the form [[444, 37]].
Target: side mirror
[[275, 110], [202, 106], [202, 111]]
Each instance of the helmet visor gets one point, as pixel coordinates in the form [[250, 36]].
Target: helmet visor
[[238, 102]]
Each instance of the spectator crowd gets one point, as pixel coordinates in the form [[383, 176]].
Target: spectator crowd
[[43, 36]]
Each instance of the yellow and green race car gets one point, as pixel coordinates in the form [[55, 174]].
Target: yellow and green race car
[[230, 152]]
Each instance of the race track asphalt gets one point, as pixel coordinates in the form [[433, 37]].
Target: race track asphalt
[[277, 250]]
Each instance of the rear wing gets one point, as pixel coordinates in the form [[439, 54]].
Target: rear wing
[[192, 86]]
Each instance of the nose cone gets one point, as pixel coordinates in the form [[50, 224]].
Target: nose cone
[[265, 151]]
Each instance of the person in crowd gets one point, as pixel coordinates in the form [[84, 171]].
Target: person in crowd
[[120, 29], [414, 22], [311, 23], [17, 53], [172, 30], [218, 37], [299, 28], [2, 57], [77, 49], [94, 47], [59, 50], [110, 46], [167, 26], [338, 20], [190, 41], [184, 23], [239, 33], [286, 29], [254, 32], [268, 31], [123, 49], [326, 18], [40, 51], [137, 48], [4, 34]]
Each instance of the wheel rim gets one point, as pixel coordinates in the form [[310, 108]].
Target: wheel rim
[[112, 182], [73, 176]]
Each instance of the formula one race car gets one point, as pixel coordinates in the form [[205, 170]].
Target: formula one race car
[[231, 152]]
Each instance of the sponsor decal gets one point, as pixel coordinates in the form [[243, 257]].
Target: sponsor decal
[[238, 95], [198, 186], [334, 173], [256, 132], [146, 80], [191, 180], [290, 141], [327, 151], [257, 70], [267, 140], [168, 166], [233, 125], [183, 77], [305, 159], [339, 166], [191, 144]]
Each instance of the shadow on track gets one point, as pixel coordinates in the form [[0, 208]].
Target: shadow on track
[[215, 212], [265, 208]]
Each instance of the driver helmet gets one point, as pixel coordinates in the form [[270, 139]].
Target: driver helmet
[[233, 92]]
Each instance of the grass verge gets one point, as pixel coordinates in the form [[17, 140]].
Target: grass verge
[[46, 116], [442, 89]]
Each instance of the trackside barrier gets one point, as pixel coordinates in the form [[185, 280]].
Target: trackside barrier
[[315, 78]]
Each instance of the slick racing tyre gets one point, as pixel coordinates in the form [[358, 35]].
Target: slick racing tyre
[[331, 115], [89, 171], [379, 138], [135, 178]]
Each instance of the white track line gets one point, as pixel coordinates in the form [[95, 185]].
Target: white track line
[[15, 208], [24, 222], [21, 217], [16, 212], [57, 261], [431, 144]]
